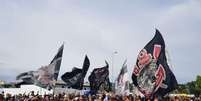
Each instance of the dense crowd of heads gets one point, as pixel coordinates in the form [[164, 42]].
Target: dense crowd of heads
[[98, 97]]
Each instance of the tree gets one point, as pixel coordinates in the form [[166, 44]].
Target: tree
[[198, 85], [7, 86], [191, 87], [194, 87], [198, 82], [182, 88]]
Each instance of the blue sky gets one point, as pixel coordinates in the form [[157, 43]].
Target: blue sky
[[32, 30]]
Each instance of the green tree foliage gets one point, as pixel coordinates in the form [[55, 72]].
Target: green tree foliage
[[191, 87], [198, 82], [182, 88], [7, 86], [194, 87]]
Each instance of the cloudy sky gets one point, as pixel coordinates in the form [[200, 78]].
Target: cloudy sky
[[31, 31]]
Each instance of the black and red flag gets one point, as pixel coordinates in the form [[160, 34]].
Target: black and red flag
[[75, 78], [151, 74]]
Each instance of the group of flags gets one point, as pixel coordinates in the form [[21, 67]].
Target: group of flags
[[98, 77], [151, 73]]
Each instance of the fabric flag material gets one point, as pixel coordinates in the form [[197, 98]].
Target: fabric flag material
[[56, 62], [25, 78], [100, 77], [122, 82], [46, 75], [151, 74], [75, 78]]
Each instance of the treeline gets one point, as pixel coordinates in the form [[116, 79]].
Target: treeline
[[8, 86], [193, 87]]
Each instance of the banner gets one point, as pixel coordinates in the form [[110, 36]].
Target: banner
[[151, 74], [122, 82], [100, 77], [75, 78], [45, 76]]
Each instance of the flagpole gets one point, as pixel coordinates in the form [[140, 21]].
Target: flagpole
[[169, 59], [113, 80], [113, 55]]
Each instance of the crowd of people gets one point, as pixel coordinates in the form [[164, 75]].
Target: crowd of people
[[97, 97]]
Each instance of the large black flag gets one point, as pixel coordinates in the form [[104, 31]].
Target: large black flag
[[75, 78], [46, 75], [151, 74], [99, 77]]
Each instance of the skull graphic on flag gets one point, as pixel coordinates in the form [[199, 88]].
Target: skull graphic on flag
[[151, 74]]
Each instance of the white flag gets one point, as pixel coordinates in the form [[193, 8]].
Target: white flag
[[122, 82]]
